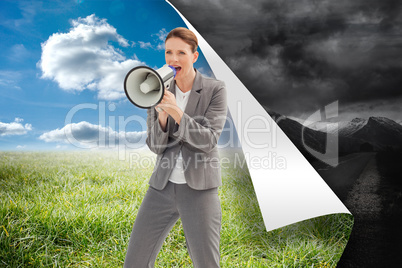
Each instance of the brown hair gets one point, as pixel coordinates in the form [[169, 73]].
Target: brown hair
[[186, 35]]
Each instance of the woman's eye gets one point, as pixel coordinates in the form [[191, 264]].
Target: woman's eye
[[168, 52], [182, 53]]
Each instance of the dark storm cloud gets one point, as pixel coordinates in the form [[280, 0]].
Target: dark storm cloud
[[296, 56]]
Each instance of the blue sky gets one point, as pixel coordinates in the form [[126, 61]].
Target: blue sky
[[58, 57]]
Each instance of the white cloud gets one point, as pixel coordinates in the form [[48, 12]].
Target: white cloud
[[14, 128], [28, 12], [160, 46], [158, 43], [18, 52], [83, 58], [145, 45], [87, 135], [21, 146], [162, 34], [10, 79]]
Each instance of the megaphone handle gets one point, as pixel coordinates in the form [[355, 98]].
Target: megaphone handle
[[159, 109]]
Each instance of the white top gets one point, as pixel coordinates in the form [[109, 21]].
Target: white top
[[177, 175]]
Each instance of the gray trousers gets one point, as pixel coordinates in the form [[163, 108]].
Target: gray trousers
[[200, 213]]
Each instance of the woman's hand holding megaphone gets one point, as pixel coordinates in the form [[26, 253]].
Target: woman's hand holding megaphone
[[169, 106]]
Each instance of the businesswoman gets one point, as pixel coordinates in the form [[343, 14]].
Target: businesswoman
[[186, 177]]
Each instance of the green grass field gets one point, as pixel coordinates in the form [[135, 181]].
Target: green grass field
[[76, 209]]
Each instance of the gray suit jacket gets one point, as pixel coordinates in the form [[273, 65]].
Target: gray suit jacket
[[196, 136]]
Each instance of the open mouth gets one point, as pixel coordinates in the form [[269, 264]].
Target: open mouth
[[177, 68]]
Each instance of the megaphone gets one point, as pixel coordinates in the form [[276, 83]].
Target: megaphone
[[145, 86]]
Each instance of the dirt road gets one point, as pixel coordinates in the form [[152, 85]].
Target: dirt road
[[373, 195]]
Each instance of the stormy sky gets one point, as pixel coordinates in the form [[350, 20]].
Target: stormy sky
[[297, 56]]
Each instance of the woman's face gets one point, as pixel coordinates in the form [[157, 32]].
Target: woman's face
[[179, 55]]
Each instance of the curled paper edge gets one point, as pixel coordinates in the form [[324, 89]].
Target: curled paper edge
[[285, 195]]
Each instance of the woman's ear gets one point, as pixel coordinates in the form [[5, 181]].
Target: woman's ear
[[196, 54]]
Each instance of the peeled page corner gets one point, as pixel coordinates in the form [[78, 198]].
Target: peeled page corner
[[287, 192]]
